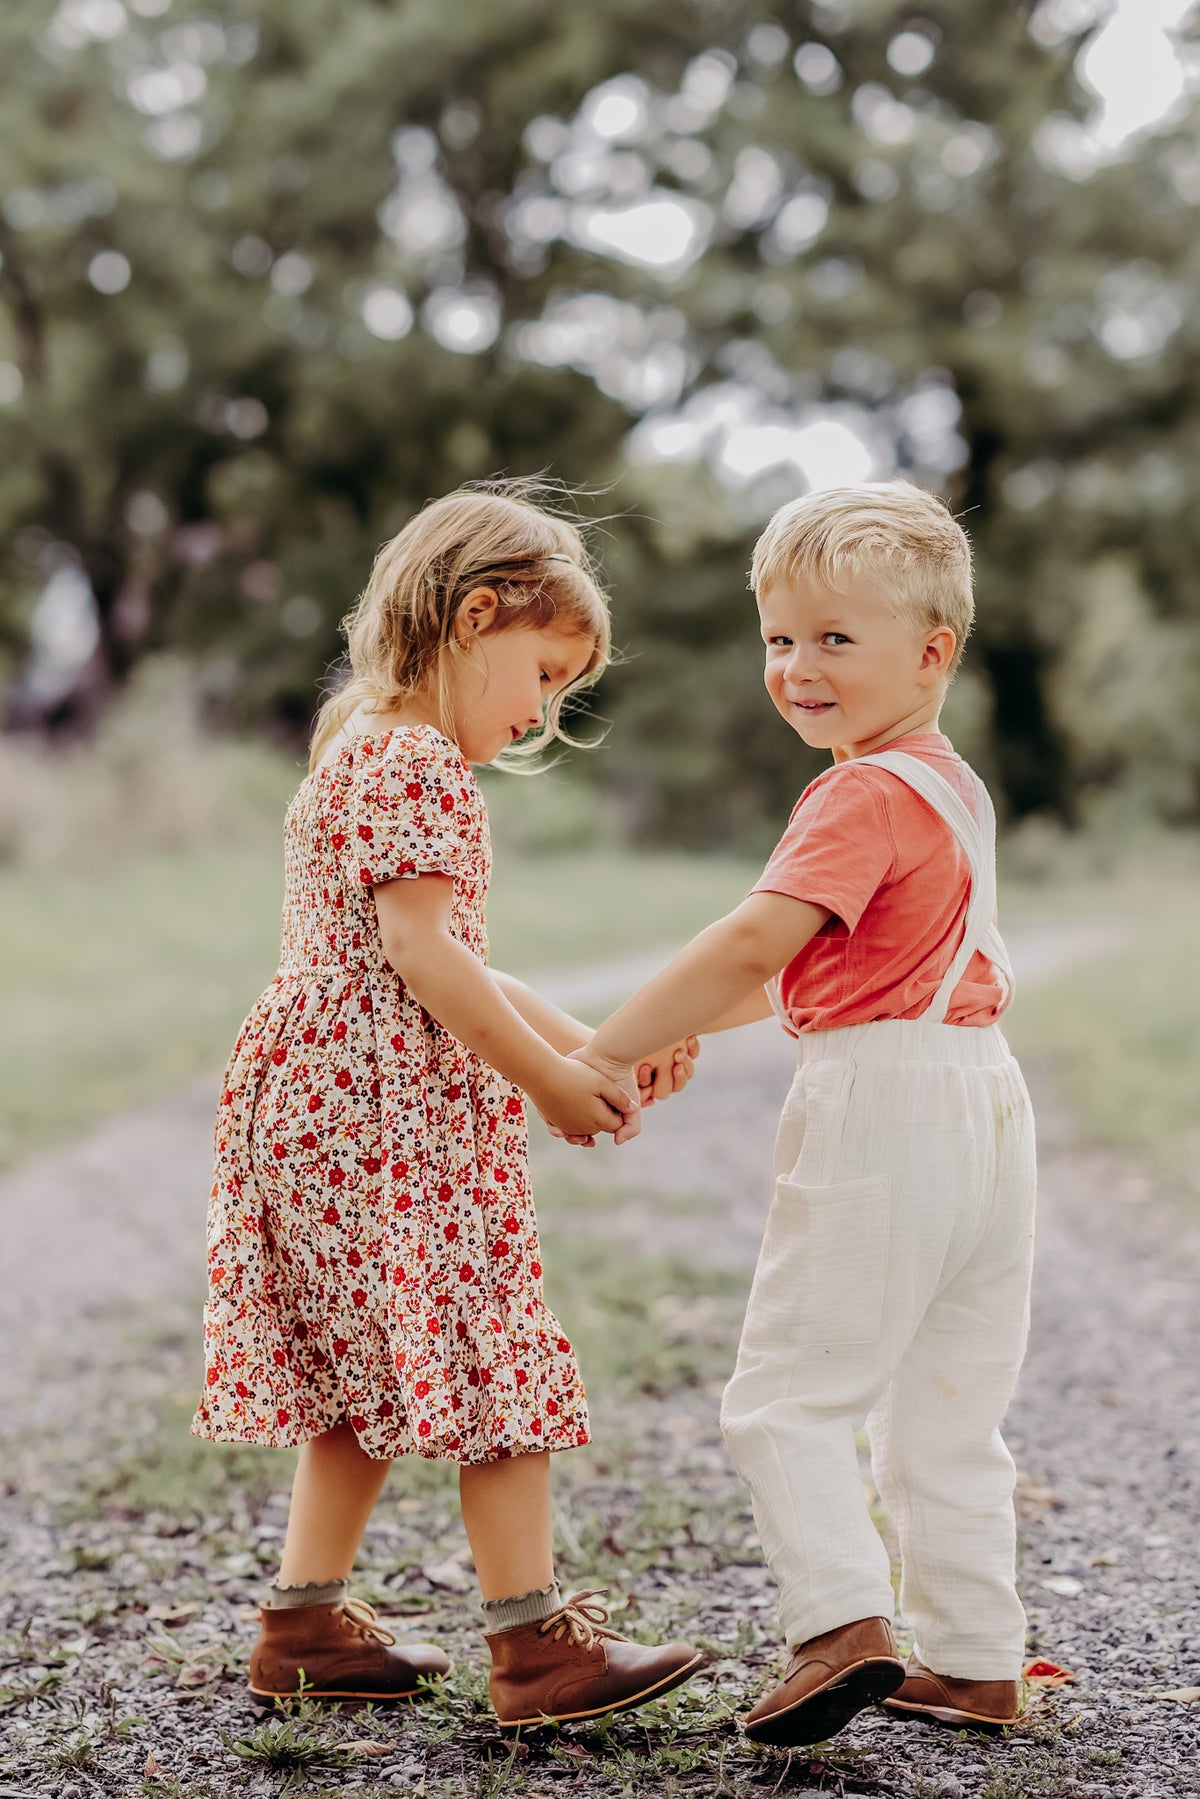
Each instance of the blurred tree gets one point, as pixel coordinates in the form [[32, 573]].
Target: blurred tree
[[915, 237], [273, 275]]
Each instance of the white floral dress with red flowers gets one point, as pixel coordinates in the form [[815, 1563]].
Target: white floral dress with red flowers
[[372, 1248]]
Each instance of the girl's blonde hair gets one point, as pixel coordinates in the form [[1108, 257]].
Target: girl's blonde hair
[[894, 532], [401, 633]]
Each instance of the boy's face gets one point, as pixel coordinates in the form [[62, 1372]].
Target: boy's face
[[847, 672]]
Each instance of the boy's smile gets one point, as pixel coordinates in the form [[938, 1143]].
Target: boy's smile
[[848, 671]]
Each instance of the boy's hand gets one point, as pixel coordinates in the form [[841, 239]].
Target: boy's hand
[[578, 1100], [667, 1071], [623, 1077]]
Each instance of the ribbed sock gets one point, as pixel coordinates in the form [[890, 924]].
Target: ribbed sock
[[521, 1608], [313, 1592]]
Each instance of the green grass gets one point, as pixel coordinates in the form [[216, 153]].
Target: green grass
[[1123, 1028], [118, 983], [592, 905], [120, 980], [673, 1330]]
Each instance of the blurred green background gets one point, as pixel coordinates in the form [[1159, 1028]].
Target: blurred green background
[[271, 276]]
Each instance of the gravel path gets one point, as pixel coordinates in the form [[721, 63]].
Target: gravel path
[[122, 1621]]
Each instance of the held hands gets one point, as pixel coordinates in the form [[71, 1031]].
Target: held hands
[[578, 1100], [667, 1071]]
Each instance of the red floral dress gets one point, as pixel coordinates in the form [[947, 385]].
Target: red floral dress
[[372, 1247]]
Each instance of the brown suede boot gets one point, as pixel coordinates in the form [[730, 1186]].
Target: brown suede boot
[[828, 1679], [338, 1652], [570, 1666], [984, 1705]]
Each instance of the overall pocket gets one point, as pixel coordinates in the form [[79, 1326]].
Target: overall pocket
[[823, 1267]]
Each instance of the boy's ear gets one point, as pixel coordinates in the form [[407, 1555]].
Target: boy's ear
[[476, 613], [938, 653]]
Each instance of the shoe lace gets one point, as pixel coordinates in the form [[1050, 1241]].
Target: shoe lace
[[366, 1621], [582, 1621]]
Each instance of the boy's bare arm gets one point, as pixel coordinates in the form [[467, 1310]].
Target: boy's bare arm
[[751, 1010], [665, 1072], [717, 972]]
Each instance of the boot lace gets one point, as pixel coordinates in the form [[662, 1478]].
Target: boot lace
[[582, 1622], [365, 1621]]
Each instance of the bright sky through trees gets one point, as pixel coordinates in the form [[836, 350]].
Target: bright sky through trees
[[1139, 76]]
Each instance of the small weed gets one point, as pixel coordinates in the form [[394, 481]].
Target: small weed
[[14, 1696], [1102, 1758], [453, 1709], [76, 1754], [287, 1745], [169, 1786], [87, 1560], [1027, 1776], [497, 1775]]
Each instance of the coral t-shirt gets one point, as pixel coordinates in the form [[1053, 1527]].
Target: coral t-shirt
[[896, 881]]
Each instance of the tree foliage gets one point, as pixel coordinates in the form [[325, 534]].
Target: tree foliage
[[273, 275]]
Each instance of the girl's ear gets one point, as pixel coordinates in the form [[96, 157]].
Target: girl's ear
[[476, 613], [938, 653]]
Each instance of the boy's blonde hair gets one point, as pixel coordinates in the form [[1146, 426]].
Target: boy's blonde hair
[[401, 632], [891, 531]]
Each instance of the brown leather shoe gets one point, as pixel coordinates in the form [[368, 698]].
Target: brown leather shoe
[[570, 1666], [828, 1680], [338, 1652], [967, 1704]]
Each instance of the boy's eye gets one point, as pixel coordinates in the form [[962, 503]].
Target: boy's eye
[[835, 637], [779, 643]]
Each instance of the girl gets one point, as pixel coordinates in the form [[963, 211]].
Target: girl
[[374, 1277]]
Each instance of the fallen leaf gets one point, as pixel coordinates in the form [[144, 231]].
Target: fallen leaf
[[1181, 1695], [1036, 1493], [152, 1771], [370, 1749], [1066, 1584], [450, 1574], [1047, 1674], [194, 1676]]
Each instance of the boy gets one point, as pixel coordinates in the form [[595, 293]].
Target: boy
[[893, 1282]]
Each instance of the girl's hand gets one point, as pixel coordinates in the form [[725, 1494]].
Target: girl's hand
[[578, 1100], [667, 1071]]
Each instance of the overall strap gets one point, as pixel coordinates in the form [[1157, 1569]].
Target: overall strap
[[977, 835]]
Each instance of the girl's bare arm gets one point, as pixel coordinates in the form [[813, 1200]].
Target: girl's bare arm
[[455, 986]]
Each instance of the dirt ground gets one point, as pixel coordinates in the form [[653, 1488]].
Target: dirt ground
[[129, 1569]]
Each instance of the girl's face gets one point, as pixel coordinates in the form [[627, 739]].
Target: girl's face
[[501, 681]]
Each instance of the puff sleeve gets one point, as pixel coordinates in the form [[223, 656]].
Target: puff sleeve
[[410, 810]]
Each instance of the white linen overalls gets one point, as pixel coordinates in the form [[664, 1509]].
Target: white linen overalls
[[893, 1288]]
